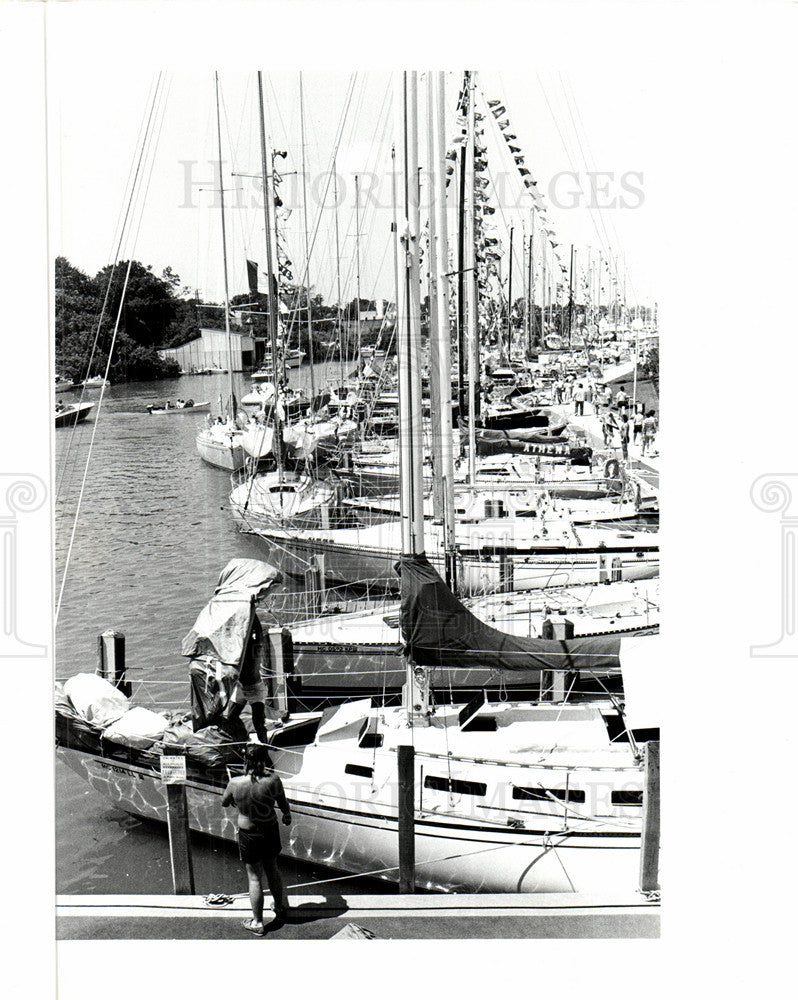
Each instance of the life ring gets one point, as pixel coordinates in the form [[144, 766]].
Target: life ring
[[612, 468]]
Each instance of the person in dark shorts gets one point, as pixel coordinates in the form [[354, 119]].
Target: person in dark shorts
[[256, 795]]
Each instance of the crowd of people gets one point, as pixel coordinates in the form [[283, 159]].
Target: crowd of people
[[622, 421]]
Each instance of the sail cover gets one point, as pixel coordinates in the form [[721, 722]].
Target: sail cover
[[439, 631], [223, 626]]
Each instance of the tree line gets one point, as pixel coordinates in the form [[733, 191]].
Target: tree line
[[158, 312]]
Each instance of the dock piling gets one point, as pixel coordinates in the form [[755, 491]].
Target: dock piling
[[281, 657], [173, 774], [111, 660], [649, 841], [407, 842]]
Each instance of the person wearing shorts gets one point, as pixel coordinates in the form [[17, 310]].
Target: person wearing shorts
[[257, 794], [649, 430]]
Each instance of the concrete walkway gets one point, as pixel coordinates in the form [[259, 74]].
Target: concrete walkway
[[547, 915], [645, 466]]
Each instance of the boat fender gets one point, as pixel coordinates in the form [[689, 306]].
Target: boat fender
[[611, 468]]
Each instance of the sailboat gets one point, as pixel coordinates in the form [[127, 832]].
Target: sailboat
[[506, 796], [281, 499], [219, 441]]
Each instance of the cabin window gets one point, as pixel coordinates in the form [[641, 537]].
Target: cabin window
[[359, 770], [455, 785], [481, 724], [631, 798], [563, 794]]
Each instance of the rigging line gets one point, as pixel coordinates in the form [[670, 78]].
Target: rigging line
[[566, 83], [88, 459], [329, 179], [65, 463], [606, 246], [573, 159], [148, 150], [144, 142]]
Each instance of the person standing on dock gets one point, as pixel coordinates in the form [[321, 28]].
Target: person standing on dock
[[608, 427], [624, 433], [579, 401], [637, 423], [649, 430], [255, 794]]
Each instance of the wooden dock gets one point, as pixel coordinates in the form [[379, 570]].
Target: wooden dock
[[549, 915]]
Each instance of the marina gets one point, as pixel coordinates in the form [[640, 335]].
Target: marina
[[422, 574]]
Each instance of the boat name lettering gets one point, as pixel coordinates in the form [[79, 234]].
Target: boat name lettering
[[120, 770]]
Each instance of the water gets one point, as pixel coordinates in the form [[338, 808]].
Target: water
[[153, 535]]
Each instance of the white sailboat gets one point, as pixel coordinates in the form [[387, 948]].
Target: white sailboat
[[219, 442], [507, 796]]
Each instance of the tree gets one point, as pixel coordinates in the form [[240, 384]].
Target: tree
[[149, 307], [86, 313], [651, 366]]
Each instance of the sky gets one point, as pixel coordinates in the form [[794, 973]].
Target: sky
[[566, 126]]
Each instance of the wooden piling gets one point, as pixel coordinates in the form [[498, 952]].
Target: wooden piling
[[284, 686], [173, 774], [111, 660], [649, 841], [407, 836]]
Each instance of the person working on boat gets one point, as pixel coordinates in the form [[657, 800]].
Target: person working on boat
[[256, 795], [251, 680]]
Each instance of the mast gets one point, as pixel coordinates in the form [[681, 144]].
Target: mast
[[357, 259], [461, 280], [531, 284], [409, 356], [435, 407], [510, 298], [307, 246], [571, 297], [545, 293], [440, 336], [338, 275], [471, 290], [273, 297], [229, 337]]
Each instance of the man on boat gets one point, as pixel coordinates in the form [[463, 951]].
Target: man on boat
[[255, 794]]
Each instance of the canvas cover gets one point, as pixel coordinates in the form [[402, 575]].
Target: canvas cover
[[223, 626], [219, 641], [439, 631]]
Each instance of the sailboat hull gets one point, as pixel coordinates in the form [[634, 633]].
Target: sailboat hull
[[367, 565], [336, 826], [223, 454]]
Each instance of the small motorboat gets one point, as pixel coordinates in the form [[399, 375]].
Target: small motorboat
[[63, 384], [181, 406], [96, 381], [76, 413]]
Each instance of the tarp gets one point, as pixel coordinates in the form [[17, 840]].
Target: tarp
[[439, 631], [222, 628]]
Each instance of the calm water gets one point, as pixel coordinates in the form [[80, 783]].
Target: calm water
[[153, 535]]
